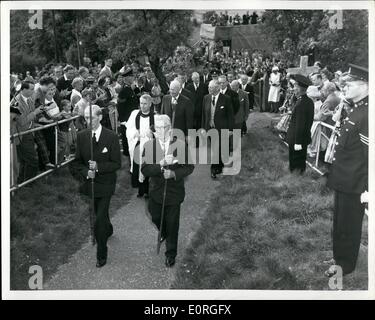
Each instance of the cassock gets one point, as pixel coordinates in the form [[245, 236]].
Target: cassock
[[138, 122]]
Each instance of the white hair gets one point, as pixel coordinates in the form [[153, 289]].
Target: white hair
[[162, 118]]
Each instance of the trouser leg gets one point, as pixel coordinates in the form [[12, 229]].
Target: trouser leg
[[27, 157], [347, 230], [172, 224], [102, 226]]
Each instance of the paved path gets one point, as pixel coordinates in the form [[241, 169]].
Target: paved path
[[132, 261]]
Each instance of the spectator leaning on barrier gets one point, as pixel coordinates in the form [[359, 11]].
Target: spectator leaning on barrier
[[77, 85], [27, 156]]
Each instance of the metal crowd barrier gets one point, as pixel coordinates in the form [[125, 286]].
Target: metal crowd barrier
[[322, 134], [13, 184]]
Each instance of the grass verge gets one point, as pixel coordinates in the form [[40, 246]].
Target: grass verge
[[50, 222], [266, 228]]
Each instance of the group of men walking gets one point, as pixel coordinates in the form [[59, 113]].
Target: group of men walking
[[216, 105]]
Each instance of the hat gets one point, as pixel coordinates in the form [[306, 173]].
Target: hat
[[357, 73], [301, 80]]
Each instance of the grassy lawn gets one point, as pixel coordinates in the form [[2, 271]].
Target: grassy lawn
[[265, 228], [50, 221]]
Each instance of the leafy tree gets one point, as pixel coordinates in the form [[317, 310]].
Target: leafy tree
[[151, 33], [294, 32]]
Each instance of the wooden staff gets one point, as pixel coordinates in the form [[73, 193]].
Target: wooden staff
[[92, 209]]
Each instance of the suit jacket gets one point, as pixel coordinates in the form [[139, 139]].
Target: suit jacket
[[105, 72], [243, 111], [299, 131], [63, 84], [223, 118], [127, 101], [197, 96], [349, 169], [184, 111], [25, 119], [151, 168], [108, 157], [235, 100], [249, 88], [205, 83]]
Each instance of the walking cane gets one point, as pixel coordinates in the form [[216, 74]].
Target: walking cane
[[164, 195], [92, 209]]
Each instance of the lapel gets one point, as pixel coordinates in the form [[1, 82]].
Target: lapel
[[219, 102]]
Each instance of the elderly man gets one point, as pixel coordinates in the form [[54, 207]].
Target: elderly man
[[299, 131], [330, 100], [139, 129], [102, 168], [181, 78], [248, 88], [167, 166], [197, 92], [217, 114], [317, 81], [225, 89], [243, 112], [179, 108], [348, 175]]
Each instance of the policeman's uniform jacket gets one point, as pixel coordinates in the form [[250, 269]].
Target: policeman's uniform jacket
[[349, 170]]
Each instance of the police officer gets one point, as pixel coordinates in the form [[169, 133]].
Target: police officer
[[348, 175]]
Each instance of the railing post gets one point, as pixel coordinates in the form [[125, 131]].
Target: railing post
[[56, 142], [318, 150], [11, 163]]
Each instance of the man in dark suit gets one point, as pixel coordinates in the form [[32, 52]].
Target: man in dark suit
[[247, 87], [197, 90], [181, 105], [102, 168], [205, 78], [127, 101], [299, 131], [348, 175], [217, 114], [164, 163], [64, 84], [225, 89]]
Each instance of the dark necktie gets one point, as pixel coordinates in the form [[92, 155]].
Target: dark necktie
[[213, 101], [94, 139]]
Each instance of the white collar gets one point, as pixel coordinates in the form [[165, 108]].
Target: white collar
[[223, 90], [65, 77], [77, 92], [97, 132], [216, 96]]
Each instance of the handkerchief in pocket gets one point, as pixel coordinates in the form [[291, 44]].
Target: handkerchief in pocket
[[222, 107], [105, 150]]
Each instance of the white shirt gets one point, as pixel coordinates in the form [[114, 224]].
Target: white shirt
[[224, 90], [97, 132]]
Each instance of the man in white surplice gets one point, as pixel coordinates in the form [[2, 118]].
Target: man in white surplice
[[139, 129]]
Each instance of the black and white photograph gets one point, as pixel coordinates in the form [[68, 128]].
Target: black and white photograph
[[158, 150]]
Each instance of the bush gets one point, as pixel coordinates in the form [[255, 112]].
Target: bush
[[21, 62]]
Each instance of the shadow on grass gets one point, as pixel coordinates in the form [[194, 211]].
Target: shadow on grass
[[266, 228], [50, 222]]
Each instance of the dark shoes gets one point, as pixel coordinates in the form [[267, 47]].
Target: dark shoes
[[213, 175], [100, 262], [170, 262], [162, 239]]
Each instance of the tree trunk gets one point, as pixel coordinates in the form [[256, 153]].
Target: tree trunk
[[57, 56], [78, 49]]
